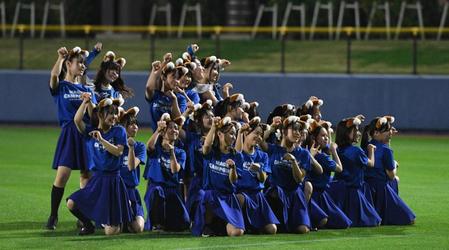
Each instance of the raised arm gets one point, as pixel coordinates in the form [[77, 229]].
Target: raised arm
[[316, 166], [298, 174], [371, 148], [78, 119], [333, 150], [207, 146], [57, 68], [152, 83], [116, 150], [151, 143], [239, 141], [174, 165], [133, 161], [232, 170]]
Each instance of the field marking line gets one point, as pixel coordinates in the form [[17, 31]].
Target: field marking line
[[296, 241]]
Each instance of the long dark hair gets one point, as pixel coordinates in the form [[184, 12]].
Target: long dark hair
[[69, 58], [216, 145], [369, 130], [342, 135], [118, 85]]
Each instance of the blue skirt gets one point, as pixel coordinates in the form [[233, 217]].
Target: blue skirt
[[71, 149], [195, 195], [295, 210], [257, 212], [172, 207], [104, 199], [391, 208], [337, 219], [136, 201], [224, 206]]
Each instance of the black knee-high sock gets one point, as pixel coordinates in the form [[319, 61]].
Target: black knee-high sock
[[77, 213], [56, 197]]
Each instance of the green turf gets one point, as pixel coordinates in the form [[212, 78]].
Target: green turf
[[26, 178], [259, 55]]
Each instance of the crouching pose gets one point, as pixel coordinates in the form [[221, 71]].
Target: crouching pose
[[104, 199]]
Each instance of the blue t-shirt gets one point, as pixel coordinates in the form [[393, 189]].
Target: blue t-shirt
[[321, 180], [107, 92], [159, 104], [99, 158], [248, 180], [383, 160], [67, 98], [354, 161], [132, 178], [217, 91], [194, 150], [193, 96], [157, 168], [281, 170], [216, 171]]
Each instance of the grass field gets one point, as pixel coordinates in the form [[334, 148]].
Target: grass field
[[261, 55], [26, 177]]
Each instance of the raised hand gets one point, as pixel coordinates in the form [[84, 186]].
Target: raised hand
[[255, 167], [156, 65], [371, 148], [161, 125], [289, 157], [86, 97], [167, 58], [277, 120], [131, 142], [96, 135], [314, 150], [333, 147], [62, 52], [230, 163], [98, 46]]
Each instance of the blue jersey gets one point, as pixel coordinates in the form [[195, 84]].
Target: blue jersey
[[328, 165], [194, 150], [216, 171], [157, 168], [248, 178], [383, 160], [99, 158], [217, 91], [159, 104], [132, 178], [281, 170], [193, 96], [354, 161], [107, 92], [67, 98]]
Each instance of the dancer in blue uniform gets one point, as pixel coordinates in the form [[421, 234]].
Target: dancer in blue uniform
[[328, 158], [134, 156], [164, 201], [256, 211], [351, 195], [104, 200], [219, 211], [382, 178], [285, 195], [70, 151]]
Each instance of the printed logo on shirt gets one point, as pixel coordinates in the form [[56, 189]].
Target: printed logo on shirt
[[165, 163], [284, 164], [125, 162], [73, 95], [247, 167], [219, 167], [100, 146], [162, 107]]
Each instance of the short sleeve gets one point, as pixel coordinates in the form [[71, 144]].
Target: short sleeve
[[388, 159], [140, 152], [181, 158], [264, 159], [361, 157], [120, 136], [326, 162]]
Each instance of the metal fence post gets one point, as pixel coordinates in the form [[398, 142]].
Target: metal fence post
[[217, 30], [21, 49], [152, 30], [348, 49], [415, 51], [283, 32]]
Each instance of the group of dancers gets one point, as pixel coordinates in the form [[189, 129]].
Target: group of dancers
[[211, 165]]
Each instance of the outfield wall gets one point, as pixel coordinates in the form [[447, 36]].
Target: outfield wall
[[417, 102]]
